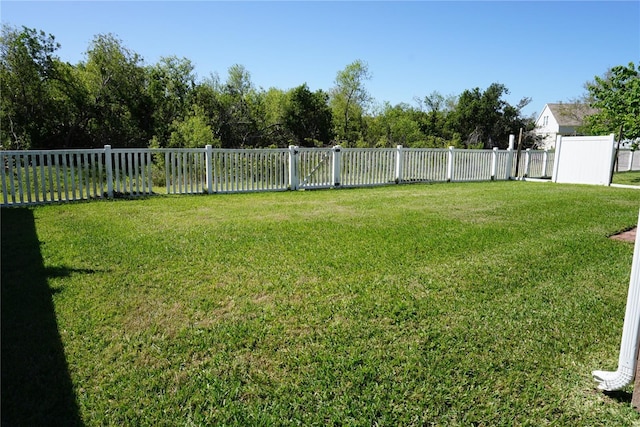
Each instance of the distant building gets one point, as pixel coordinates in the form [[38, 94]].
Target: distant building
[[560, 119]]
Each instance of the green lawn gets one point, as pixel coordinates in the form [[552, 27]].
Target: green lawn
[[450, 304], [627, 178]]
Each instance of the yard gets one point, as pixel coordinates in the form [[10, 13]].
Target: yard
[[448, 304], [627, 178]]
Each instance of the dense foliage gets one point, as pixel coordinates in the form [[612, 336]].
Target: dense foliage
[[113, 97], [616, 96]]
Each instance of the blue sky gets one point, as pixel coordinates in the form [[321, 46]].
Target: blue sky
[[545, 50]]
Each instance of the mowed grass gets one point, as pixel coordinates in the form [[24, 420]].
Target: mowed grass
[[627, 178], [451, 304]]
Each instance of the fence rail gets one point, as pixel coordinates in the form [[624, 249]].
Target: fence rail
[[33, 177]]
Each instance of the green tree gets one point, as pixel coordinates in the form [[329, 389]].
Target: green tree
[[349, 100], [485, 120], [435, 120], [616, 96], [308, 117], [120, 108], [192, 131], [240, 109], [28, 71], [170, 87], [395, 125]]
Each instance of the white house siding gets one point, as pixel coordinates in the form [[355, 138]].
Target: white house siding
[[548, 130]]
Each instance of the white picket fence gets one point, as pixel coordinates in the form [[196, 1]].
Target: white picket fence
[[38, 176]]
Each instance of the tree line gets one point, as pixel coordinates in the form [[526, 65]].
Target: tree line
[[113, 98]]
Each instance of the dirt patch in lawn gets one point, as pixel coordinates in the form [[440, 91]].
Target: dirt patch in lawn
[[626, 236]]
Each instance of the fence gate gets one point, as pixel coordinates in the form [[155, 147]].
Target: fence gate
[[314, 167]]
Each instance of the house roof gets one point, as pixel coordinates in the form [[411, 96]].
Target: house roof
[[570, 114]]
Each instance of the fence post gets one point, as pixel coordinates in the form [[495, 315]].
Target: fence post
[[293, 167], [337, 161], [208, 158], [108, 165], [630, 160], [450, 163], [494, 163], [509, 169], [556, 159], [527, 162], [399, 164], [545, 159]]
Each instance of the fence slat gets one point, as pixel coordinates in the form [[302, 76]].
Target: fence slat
[[47, 176]]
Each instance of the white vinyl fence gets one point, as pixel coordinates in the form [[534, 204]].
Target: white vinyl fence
[[38, 176], [628, 161]]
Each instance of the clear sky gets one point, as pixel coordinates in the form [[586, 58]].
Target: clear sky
[[545, 50]]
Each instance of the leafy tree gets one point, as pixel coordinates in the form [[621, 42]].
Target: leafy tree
[[275, 103], [308, 117], [484, 119], [28, 70], [349, 100], [435, 122], [240, 111], [115, 79], [192, 131], [616, 96], [395, 125], [170, 87]]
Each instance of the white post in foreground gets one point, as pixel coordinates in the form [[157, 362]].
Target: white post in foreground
[[293, 167], [450, 163], [624, 375], [399, 164], [545, 160], [208, 153], [494, 163], [336, 165], [512, 140], [108, 164]]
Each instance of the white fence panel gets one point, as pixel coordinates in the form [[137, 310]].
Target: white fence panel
[[250, 170], [185, 171], [425, 165], [628, 160], [367, 166], [504, 161], [40, 176], [315, 167], [584, 159], [132, 171], [471, 165], [67, 175]]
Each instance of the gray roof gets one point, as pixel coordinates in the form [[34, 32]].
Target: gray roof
[[571, 114]]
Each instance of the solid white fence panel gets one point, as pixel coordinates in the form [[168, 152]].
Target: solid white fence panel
[[628, 160], [584, 159]]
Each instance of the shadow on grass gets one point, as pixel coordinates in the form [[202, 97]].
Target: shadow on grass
[[619, 395], [36, 386]]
